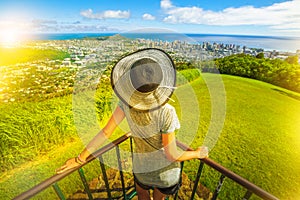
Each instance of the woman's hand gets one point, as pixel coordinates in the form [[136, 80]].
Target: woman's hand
[[69, 164], [203, 152]]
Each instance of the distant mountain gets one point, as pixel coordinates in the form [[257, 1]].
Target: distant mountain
[[116, 37]]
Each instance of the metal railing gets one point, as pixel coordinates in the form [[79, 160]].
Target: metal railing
[[129, 192], [251, 188]]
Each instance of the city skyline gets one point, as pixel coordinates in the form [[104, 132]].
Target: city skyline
[[268, 17]]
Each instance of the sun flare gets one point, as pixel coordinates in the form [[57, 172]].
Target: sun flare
[[9, 38]]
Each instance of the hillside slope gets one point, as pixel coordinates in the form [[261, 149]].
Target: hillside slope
[[259, 140]]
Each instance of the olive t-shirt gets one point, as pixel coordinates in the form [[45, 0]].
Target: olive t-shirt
[[150, 165]]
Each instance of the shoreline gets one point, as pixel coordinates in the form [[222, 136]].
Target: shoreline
[[268, 43]]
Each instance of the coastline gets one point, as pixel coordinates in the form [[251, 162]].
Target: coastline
[[270, 43]]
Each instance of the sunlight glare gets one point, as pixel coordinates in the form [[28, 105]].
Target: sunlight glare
[[9, 38]]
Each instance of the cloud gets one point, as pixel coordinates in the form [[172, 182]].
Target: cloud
[[147, 16], [166, 4], [283, 15], [43, 21], [63, 28], [86, 28], [52, 26], [108, 14]]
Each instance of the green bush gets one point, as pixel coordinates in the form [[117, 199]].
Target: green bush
[[187, 75], [285, 74]]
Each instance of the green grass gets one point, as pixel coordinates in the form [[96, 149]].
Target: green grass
[[27, 175], [10, 56], [31, 129], [260, 139]]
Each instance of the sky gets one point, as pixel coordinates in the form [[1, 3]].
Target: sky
[[245, 17]]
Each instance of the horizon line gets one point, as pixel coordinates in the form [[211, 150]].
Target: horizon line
[[174, 33]]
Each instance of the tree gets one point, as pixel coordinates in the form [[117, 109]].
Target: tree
[[275, 71], [260, 55]]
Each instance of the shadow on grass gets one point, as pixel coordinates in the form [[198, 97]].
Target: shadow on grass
[[294, 96]]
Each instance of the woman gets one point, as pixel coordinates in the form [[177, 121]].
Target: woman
[[144, 82]]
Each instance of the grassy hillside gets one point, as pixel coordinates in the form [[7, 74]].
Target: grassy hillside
[[33, 128], [260, 139]]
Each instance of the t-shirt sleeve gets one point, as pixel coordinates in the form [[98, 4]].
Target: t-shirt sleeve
[[169, 120]]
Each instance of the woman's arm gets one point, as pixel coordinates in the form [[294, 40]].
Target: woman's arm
[[169, 143], [104, 134], [96, 142]]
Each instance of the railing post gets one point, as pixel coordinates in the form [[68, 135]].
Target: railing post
[[247, 195], [105, 177], [218, 188], [58, 191], [133, 193], [85, 184], [121, 171], [200, 168]]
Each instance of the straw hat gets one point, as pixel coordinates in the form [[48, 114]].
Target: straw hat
[[144, 80]]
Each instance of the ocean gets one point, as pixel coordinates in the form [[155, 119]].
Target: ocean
[[286, 44]]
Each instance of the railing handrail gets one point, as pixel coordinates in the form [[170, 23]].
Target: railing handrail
[[240, 180], [55, 178]]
